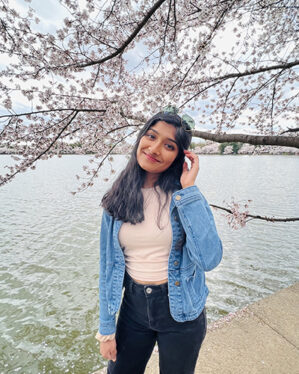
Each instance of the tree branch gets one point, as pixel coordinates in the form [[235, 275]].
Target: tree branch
[[264, 218], [103, 159], [124, 45], [284, 141], [290, 130], [285, 66], [30, 162], [52, 110], [203, 45]]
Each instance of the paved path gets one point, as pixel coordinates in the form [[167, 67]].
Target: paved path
[[263, 338]]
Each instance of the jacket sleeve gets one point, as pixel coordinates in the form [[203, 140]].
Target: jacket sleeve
[[106, 320], [202, 241]]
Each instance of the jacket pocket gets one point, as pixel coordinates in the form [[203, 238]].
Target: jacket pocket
[[193, 289]]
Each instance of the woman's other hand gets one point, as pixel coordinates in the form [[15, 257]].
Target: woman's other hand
[[108, 349], [189, 175]]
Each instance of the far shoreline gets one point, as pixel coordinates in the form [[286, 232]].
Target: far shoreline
[[199, 154]]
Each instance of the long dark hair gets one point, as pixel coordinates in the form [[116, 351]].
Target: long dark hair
[[124, 201]]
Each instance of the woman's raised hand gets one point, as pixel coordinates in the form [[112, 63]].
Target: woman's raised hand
[[189, 175], [108, 349]]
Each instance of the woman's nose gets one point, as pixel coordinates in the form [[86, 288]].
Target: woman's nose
[[155, 148]]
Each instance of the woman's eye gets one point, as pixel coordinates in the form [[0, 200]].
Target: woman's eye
[[170, 147], [151, 136]]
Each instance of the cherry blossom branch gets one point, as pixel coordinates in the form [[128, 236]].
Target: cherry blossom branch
[[95, 172], [264, 218], [204, 44], [52, 111], [32, 161], [222, 78], [226, 100], [284, 66], [121, 49], [253, 94]]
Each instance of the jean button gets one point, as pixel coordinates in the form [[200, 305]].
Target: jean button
[[148, 290]]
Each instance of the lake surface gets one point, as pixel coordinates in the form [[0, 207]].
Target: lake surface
[[49, 250]]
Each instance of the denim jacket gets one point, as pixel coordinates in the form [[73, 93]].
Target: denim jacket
[[196, 248]]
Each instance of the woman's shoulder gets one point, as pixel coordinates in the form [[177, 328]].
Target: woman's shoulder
[[106, 216]]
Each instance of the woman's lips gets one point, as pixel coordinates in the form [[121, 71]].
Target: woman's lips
[[150, 158]]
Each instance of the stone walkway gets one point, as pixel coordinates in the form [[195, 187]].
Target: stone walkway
[[263, 338]]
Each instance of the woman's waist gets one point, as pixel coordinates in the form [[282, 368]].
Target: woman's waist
[[155, 283], [140, 286], [148, 273]]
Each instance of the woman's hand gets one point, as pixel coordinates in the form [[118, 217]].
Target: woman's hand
[[108, 349], [189, 175]]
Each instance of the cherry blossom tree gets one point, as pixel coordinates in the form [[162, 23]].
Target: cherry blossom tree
[[109, 65]]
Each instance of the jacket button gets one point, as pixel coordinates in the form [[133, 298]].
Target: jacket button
[[177, 283], [176, 263], [178, 197]]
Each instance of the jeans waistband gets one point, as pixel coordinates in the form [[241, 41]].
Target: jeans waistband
[[149, 289]]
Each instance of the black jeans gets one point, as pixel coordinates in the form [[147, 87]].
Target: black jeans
[[144, 318]]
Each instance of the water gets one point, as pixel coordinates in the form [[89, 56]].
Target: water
[[49, 243]]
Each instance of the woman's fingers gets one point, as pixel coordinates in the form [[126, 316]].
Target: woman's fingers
[[189, 175], [113, 355], [192, 157], [185, 166], [108, 350]]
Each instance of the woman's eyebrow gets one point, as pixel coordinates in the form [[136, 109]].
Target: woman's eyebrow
[[172, 140]]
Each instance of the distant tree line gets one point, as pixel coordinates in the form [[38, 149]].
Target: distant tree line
[[235, 146]]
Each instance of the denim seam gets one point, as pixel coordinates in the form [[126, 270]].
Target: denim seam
[[148, 311]]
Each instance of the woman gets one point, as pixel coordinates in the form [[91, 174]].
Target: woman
[[158, 237]]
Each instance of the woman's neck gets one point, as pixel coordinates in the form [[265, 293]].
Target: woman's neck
[[150, 180]]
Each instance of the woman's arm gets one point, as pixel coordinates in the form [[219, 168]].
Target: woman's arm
[[107, 321], [202, 241]]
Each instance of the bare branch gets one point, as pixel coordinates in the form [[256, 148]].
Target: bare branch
[[285, 141]]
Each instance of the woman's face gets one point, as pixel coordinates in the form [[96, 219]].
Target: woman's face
[[157, 149]]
